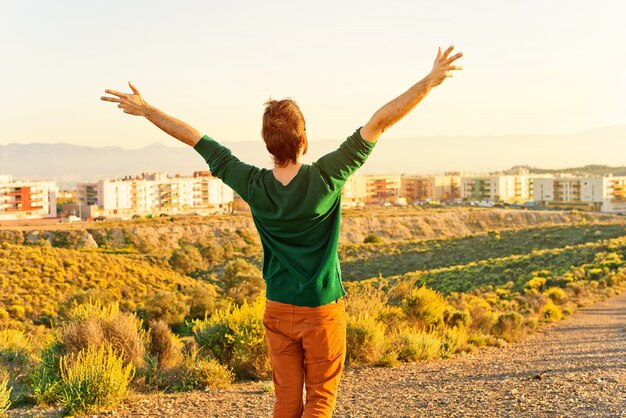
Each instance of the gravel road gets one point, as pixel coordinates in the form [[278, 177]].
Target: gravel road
[[575, 368]]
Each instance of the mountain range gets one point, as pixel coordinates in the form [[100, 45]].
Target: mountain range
[[67, 164]]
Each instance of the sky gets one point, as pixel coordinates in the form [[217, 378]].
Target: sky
[[545, 67]]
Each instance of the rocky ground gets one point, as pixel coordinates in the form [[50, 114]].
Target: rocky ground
[[576, 368]]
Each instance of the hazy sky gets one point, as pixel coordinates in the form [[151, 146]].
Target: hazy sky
[[533, 66]]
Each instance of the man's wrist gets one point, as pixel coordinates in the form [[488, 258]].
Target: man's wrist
[[149, 111]]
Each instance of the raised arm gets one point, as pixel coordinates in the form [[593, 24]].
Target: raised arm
[[134, 104], [399, 107]]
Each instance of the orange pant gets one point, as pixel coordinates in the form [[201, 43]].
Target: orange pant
[[307, 346]]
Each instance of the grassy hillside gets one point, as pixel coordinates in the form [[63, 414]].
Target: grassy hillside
[[37, 283]]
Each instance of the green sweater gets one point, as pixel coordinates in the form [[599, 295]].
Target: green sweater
[[298, 223]]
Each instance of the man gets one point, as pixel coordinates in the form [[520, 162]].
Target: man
[[296, 209]]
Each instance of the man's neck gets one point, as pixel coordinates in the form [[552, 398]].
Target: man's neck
[[284, 174]]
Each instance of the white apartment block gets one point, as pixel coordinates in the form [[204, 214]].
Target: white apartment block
[[27, 199], [509, 189], [607, 194], [151, 192]]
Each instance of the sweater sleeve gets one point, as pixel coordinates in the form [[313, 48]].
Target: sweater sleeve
[[337, 166], [224, 165]]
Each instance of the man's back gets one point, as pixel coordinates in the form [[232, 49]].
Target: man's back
[[298, 222]]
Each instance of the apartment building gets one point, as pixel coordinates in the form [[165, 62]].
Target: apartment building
[[354, 191], [381, 190], [27, 199], [607, 194], [155, 191], [509, 189]]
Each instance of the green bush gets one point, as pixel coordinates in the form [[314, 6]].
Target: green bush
[[45, 378], [5, 396], [166, 306], [364, 335], [187, 259], [94, 378], [212, 253], [236, 336], [372, 239], [201, 300]]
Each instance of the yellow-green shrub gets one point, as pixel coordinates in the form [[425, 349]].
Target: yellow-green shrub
[[556, 294], [410, 345], [166, 306], [236, 336], [14, 346], [453, 341], [535, 285], [5, 395], [551, 313], [197, 372], [93, 378], [364, 335], [426, 307]]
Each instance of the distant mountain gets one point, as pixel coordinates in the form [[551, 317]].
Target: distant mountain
[[422, 155]]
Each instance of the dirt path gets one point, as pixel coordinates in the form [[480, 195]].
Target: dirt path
[[576, 368]]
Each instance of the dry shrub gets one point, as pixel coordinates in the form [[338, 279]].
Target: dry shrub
[[164, 345], [509, 326], [365, 336], [411, 345], [366, 300], [92, 325]]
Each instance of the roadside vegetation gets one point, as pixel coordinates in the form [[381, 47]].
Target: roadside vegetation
[[80, 329]]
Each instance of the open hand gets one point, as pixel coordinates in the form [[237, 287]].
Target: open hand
[[443, 67], [132, 104]]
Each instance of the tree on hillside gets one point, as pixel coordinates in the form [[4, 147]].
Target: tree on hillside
[[242, 281], [187, 259]]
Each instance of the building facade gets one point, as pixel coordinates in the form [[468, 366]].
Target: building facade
[[606, 194], [27, 199], [156, 192]]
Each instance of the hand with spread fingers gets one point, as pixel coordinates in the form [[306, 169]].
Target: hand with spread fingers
[[442, 67], [133, 104]]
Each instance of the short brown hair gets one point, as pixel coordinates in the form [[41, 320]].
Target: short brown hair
[[283, 130]]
